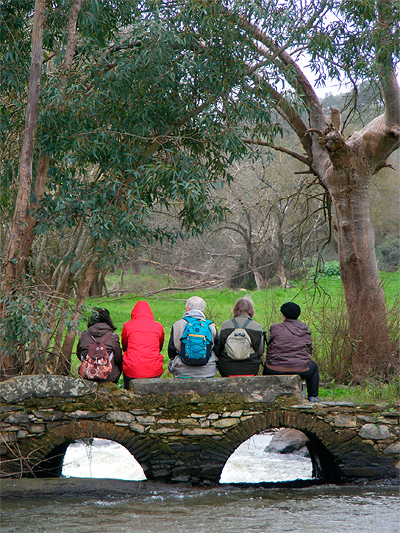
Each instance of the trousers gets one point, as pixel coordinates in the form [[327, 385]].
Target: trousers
[[311, 377]]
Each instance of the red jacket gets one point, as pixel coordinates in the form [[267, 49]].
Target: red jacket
[[142, 340]]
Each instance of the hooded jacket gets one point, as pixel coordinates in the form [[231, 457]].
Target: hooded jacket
[[289, 347], [142, 340], [99, 331]]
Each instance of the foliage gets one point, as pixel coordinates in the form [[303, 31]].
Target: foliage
[[159, 101], [328, 269], [372, 391], [22, 329], [388, 254]]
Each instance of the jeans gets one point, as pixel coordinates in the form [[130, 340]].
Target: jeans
[[128, 379]]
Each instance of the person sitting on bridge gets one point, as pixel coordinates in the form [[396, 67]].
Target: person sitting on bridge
[[193, 343], [100, 329], [241, 342], [142, 341], [289, 350]]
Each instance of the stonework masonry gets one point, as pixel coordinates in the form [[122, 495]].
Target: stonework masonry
[[186, 429]]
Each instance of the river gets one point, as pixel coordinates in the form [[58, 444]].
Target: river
[[236, 505]]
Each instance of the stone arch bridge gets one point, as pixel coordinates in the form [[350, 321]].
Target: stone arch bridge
[[186, 429]]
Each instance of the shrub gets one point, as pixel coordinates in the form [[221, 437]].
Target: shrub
[[388, 254], [326, 270]]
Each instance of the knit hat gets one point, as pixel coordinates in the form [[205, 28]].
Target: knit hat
[[290, 310]]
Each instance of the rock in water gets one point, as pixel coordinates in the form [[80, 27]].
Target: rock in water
[[287, 440]]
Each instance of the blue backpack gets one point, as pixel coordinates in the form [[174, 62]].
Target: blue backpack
[[196, 341]]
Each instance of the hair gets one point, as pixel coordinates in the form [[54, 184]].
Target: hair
[[290, 310], [195, 302], [244, 306], [100, 314]]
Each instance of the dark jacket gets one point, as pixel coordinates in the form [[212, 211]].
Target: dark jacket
[[99, 331], [247, 367], [289, 347], [142, 340]]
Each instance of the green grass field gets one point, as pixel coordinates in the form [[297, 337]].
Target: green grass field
[[322, 309]]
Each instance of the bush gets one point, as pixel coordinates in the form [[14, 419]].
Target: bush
[[388, 254], [326, 270]]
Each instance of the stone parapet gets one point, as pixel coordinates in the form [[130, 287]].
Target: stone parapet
[[186, 429]]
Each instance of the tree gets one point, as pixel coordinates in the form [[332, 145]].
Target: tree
[[161, 97], [351, 42], [119, 128]]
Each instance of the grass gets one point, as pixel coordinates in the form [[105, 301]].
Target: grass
[[320, 303]]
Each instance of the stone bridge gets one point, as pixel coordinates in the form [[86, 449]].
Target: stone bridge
[[186, 429]]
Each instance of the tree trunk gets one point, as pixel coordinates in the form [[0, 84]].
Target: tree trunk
[[64, 363], [282, 274], [347, 178], [15, 257]]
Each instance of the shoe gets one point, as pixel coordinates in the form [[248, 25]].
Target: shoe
[[313, 399]]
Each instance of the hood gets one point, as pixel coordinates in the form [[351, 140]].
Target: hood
[[195, 313], [296, 327], [99, 329], [142, 309]]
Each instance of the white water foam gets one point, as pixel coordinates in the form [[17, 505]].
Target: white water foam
[[248, 464]]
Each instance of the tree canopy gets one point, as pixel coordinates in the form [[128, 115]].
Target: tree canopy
[[111, 107]]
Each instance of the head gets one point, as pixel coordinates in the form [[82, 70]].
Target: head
[[290, 310], [100, 314], [244, 306], [195, 302]]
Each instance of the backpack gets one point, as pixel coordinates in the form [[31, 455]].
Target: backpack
[[238, 343], [196, 341], [97, 363]]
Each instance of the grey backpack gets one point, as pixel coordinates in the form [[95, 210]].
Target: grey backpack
[[238, 343]]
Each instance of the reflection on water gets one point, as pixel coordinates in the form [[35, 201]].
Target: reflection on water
[[249, 463]]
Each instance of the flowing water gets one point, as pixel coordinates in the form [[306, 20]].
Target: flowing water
[[227, 508]]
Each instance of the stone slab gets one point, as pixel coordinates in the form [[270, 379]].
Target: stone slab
[[19, 388], [264, 389]]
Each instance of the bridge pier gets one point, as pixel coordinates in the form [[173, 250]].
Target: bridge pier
[[185, 430]]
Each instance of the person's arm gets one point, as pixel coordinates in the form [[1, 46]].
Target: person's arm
[[216, 342], [162, 338], [270, 337], [117, 350], [172, 351], [79, 349], [124, 339], [260, 349]]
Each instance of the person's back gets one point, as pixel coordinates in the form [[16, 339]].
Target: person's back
[[100, 328], [289, 346], [181, 365], [142, 341], [289, 350], [250, 335]]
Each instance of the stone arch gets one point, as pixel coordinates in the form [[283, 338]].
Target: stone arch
[[45, 454], [321, 446]]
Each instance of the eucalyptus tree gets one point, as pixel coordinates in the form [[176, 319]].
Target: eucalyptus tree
[[350, 43], [156, 99], [108, 119]]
